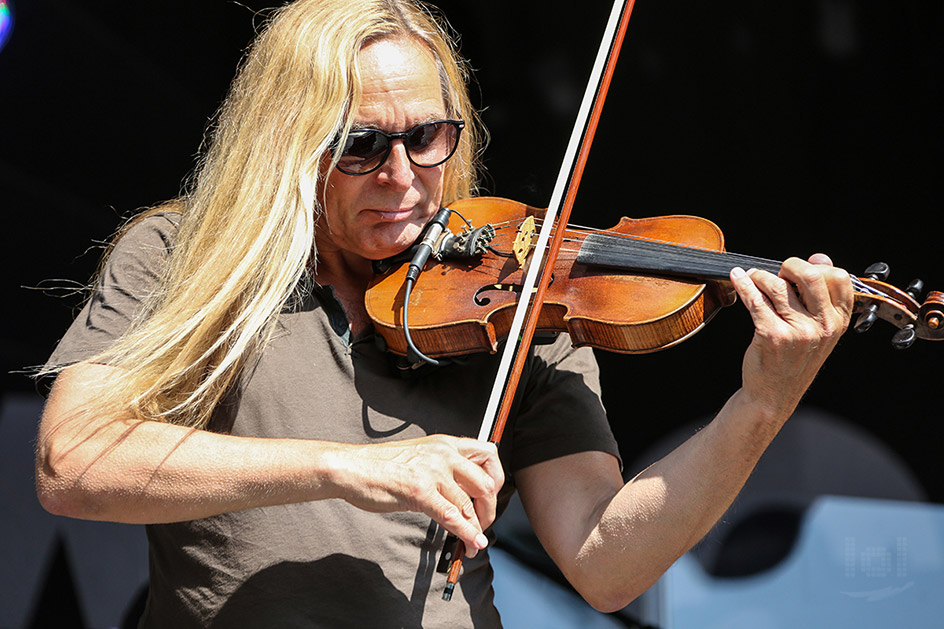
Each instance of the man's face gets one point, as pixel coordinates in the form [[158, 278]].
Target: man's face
[[380, 214]]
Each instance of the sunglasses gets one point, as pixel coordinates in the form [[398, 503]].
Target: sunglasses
[[427, 145]]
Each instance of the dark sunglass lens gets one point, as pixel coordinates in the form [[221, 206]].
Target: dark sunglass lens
[[430, 144], [423, 136], [362, 149]]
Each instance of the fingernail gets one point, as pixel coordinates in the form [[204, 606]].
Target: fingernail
[[737, 273], [481, 540]]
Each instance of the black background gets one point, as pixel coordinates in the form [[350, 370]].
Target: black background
[[797, 127]]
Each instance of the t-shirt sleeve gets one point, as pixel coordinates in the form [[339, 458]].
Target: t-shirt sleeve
[[561, 411], [131, 272]]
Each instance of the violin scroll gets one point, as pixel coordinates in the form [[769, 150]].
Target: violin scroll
[[876, 299]]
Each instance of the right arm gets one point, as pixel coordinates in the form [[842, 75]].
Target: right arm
[[122, 469]]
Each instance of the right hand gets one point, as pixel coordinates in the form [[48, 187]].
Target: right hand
[[453, 480]]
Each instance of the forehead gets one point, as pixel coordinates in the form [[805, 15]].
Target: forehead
[[400, 84]]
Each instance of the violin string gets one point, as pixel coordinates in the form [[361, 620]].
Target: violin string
[[710, 253], [628, 242], [656, 254]]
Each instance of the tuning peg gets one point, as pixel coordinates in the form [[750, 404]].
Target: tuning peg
[[915, 289], [905, 337], [867, 317], [878, 271], [934, 321]]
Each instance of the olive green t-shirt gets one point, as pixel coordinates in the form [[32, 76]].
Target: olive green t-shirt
[[326, 563]]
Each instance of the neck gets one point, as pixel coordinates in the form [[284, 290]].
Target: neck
[[342, 270], [349, 276]]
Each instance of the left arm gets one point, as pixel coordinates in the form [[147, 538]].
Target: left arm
[[613, 541]]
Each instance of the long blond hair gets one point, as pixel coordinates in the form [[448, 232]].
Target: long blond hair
[[247, 230]]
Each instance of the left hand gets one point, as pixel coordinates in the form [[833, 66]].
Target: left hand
[[798, 319]]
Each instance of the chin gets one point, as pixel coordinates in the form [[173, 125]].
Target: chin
[[397, 243], [380, 252]]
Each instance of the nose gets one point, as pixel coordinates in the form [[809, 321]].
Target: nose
[[398, 169]]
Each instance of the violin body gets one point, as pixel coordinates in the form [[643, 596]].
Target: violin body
[[462, 306]]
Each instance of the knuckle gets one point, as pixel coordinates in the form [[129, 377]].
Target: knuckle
[[804, 331], [779, 290], [809, 336], [419, 493], [438, 443], [839, 274], [811, 275], [450, 513], [755, 301], [779, 340], [791, 264], [782, 338], [832, 329]]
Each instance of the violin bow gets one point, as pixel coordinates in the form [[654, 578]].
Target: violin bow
[[524, 323]]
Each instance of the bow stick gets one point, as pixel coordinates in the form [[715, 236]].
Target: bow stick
[[522, 328]]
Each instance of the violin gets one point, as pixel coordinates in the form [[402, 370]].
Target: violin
[[642, 286]]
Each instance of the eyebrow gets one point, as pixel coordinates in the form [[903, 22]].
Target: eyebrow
[[430, 118]]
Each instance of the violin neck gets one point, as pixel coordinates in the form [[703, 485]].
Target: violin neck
[[648, 256]]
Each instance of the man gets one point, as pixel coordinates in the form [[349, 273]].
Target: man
[[222, 385]]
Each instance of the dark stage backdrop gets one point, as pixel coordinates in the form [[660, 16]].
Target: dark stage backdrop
[[797, 127]]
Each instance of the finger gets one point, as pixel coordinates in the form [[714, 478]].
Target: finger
[[470, 488], [841, 292], [479, 466], [838, 282], [810, 283], [459, 499], [484, 454], [482, 508], [485, 511], [825, 289], [445, 513], [821, 259], [757, 291], [481, 487], [782, 293], [473, 476]]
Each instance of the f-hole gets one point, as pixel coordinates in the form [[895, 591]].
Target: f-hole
[[481, 298]]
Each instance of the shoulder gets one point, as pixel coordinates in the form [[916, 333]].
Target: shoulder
[[142, 247], [151, 229], [134, 266], [131, 271]]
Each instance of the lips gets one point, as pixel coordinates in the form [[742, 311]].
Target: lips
[[393, 215]]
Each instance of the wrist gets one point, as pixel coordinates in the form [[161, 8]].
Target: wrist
[[328, 467], [764, 411]]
